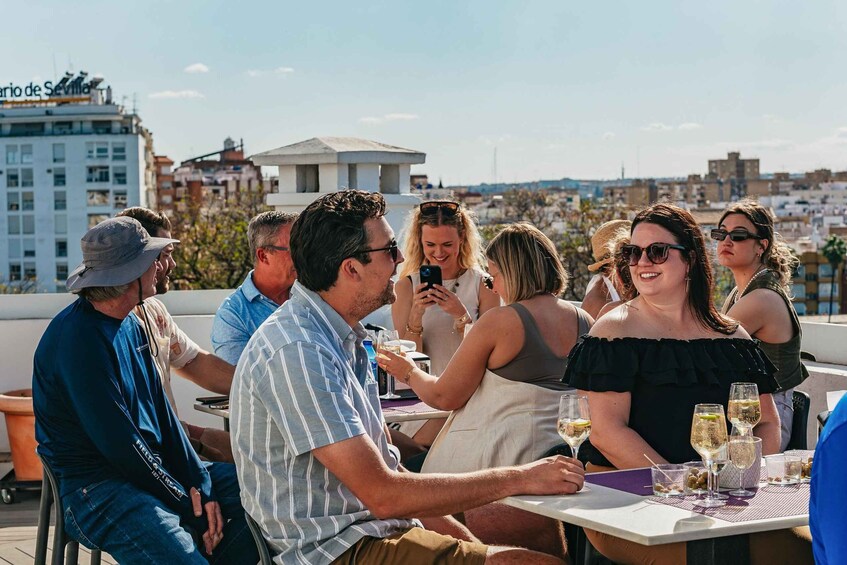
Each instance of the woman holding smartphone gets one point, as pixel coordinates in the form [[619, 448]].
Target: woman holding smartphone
[[442, 234]]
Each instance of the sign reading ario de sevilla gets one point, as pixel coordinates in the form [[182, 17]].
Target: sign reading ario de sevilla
[[48, 88]]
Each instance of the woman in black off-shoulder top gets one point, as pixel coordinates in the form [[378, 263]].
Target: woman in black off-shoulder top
[[647, 363]]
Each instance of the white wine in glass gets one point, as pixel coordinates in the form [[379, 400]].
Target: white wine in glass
[[744, 410], [574, 421], [708, 438]]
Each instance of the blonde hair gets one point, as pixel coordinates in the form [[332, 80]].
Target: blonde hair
[[777, 255], [470, 243], [528, 261]]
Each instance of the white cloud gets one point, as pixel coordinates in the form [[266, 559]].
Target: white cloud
[[687, 126], [403, 117], [388, 118], [196, 68], [174, 94], [609, 135], [263, 72], [657, 126]]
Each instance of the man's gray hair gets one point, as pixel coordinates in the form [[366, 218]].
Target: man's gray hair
[[262, 230], [102, 293]]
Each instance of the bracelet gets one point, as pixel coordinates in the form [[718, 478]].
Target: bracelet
[[460, 323], [413, 331], [408, 374]]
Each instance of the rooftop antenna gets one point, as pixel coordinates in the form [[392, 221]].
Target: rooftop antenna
[[494, 168], [135, 103], [623, 172]]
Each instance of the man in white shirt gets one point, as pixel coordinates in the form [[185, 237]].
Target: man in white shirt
[[173, 349]]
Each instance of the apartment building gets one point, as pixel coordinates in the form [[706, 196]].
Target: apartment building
[[68, 160]]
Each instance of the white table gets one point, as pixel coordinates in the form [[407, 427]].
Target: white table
[[636, 518], [391, 415]]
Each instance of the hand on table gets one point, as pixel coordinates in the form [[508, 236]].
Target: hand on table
[[553, 475]]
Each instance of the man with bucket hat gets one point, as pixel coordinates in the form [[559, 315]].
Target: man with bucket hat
[[130, 482]]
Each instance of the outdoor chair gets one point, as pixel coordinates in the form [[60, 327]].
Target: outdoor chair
[[800, 421], [50, 497], [261, 544]]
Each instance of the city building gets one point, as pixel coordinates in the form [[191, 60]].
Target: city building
[[70, 157], [320, 165], [209, 180], [734, 167], [813, 284]]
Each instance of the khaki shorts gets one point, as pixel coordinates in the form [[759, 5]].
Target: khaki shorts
[[416, 546]]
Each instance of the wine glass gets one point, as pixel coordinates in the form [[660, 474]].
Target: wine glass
[[708, 436], [389, 340], [744, 410], [574, 420], [720, 463], [742, 452]]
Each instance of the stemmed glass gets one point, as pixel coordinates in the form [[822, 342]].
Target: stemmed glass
[[708, 437], [742, 453], [744, 410], [389, 340], [574, 421]]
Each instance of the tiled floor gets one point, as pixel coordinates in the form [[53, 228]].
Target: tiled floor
[[18, 528]]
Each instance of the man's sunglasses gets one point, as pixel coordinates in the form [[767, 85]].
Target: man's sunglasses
[[657, 253], [392, 250], [739, 234], [275, 247], [447, 207]]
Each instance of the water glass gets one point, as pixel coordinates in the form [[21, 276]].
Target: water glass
[[783, 469], [668, 480]]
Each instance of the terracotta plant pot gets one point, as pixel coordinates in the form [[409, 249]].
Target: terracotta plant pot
[[20, 424]]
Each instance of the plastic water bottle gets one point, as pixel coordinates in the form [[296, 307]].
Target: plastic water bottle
[[369, 347]]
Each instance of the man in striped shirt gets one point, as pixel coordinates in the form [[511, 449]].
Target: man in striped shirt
[[309, 439]]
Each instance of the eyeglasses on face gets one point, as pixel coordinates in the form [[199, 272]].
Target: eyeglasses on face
[[447, 207], [657, 253], [392, 250], [738, 234], [275, 247]]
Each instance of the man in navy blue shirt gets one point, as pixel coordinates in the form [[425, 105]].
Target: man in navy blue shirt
[[828, 502], [128, 477]]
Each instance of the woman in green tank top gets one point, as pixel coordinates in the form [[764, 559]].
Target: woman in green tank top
[[761, 264]]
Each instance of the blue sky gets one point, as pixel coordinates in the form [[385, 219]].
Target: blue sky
[[560, 88]]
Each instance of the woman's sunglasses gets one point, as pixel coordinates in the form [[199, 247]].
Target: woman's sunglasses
[[657, 253], [488, 282], [447, 207], [739, 234]]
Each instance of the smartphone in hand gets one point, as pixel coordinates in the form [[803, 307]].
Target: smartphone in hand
[[430, 274]]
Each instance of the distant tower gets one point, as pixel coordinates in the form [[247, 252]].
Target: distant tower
[[229, 144], [623, 173]]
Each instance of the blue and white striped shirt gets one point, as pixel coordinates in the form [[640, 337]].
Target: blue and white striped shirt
[[303, 383]]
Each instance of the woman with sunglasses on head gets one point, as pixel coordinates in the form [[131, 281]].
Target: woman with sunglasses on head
[[440, 233], [762, 264], [647, 363]]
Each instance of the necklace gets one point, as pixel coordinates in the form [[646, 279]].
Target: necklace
[[456, 283], [740, 294]]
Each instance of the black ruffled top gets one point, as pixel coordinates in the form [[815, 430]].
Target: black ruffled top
[[666, 378]]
